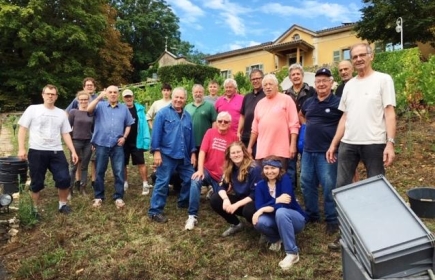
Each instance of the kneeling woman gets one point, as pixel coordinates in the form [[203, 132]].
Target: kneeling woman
[[237, 190], [279, 217]]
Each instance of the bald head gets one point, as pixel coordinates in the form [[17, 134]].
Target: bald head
[[345, 69]]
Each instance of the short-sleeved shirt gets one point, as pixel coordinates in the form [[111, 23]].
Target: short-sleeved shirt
[[203, 117], [110, 123], [82, 124], [214, 145], [233, 106], [364, 101], [248, 106], [45, 127], [211, 99], [155, 107], [322, 121]]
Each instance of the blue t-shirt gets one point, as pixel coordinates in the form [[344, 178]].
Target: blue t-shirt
[[322, 121]]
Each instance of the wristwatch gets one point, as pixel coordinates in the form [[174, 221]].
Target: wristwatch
[[391, 140]]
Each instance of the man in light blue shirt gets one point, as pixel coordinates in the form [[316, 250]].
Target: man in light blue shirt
[[173, 147], [112, 126]]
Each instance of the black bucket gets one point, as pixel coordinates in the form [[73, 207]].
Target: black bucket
[[13, 172], [422, 201]]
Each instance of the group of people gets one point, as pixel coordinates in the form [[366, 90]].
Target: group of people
[[244, 147]]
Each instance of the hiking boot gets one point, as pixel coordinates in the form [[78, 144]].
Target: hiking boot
[[190, 223], [97, 203], [331, 229], [335, 245], [233, 229], [145, 189], [289, 261], [276, 247], [65, 209], [119, 203], [159, 218]]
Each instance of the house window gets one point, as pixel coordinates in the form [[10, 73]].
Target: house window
[[337, 56], [346, 54], [296, 37], [226, 74], [252, 67]]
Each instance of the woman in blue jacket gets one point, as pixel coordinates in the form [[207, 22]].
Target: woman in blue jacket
[[279, 216]]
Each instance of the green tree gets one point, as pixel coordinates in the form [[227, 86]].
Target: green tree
[[48, 41], [186, 49], [379, 17], [145, 24]]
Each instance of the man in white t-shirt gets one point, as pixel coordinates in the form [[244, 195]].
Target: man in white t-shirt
[[159, 104], [46, 125]]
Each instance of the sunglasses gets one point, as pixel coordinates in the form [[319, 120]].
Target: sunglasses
[[222, 121]]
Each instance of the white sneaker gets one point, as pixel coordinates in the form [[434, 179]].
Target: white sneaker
[[190, 223], [233, 229], [289, 261], [119, 203], [276, 247], [125, 186], [145, 189]]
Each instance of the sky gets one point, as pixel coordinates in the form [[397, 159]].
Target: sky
[[215, 26]]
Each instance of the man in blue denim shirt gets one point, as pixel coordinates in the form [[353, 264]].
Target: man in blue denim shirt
[[173, 147], [112, 126]]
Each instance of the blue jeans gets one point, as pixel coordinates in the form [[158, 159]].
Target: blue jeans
[[350, 155], [163, 175], [316, 170], [195, 191], [116, 155], [284, 225], [84, 151]]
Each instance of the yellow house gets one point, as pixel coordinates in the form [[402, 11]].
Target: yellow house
[[296, 45]]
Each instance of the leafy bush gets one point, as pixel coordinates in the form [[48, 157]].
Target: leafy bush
[[198, 73]]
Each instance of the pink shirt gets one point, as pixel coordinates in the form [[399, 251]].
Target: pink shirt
[[214, 145], [232, 106], [274, 120]]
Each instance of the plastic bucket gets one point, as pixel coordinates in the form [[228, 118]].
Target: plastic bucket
[[422, 201]]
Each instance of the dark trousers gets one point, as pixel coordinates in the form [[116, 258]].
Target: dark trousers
[[246, 211]]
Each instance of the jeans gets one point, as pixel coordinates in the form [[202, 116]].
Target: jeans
[[195, 191], [116, 155], [284, 226], [163, 175], [316, 170], [84, 151], [292, 169], [350, 155], [246, 211]]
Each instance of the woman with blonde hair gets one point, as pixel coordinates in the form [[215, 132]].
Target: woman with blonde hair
[[236, 191]]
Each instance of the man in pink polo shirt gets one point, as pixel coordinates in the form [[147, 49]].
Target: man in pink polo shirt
[[276, 124], [230, 102]]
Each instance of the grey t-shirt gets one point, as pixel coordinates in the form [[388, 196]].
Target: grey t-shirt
[[81, 123]]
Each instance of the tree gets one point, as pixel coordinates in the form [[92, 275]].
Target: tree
[[186, 49], [379, 17], [145, 24]]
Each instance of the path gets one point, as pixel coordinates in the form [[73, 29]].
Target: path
[[6, 136]]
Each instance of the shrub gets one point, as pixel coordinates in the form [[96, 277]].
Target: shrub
[[198, 73]]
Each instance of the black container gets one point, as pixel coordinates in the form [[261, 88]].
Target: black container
[[422, 201], [13, 172], [10, 187]]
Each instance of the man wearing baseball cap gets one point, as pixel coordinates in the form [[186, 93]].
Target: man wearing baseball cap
[[321, 115], [138, 140]]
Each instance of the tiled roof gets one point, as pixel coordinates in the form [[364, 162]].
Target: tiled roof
[[238, 51]]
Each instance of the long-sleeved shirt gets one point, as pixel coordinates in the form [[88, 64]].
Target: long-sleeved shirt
[[173, 134]]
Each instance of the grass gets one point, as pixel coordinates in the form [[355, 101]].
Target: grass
[[108, 243]]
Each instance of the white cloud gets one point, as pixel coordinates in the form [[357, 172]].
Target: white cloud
[[187, 12]]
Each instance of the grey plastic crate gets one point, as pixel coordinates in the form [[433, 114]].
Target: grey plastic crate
[[353, 270], [387, 238]]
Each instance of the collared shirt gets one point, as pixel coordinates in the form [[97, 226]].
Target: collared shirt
[[203, 116], [173, 134], [110, 123], [248, 106], [322, 121], [300, 97], [232, 106]]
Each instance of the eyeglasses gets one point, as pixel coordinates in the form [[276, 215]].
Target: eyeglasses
[[83, 100], [50, 94], [256, 79], [361, 55], [324, 81], [222, 121]]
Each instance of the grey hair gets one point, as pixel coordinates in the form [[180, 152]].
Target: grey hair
[[296, 66], [197, 86], [223, 114], [270, 77], [179, 89], [230, 81], [367, 46]]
